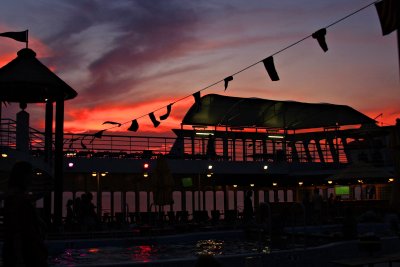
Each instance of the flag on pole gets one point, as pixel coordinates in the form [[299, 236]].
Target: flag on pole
[[17, 36]]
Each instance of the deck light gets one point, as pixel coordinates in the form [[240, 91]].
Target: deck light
[[210, 167], [274, 184], [252, 185], [235, 185], [265, 167], [209, 175], [360, 181], [94, 174], [204, 133], [330, 182], [70, 164], [103, 174], [391, 180], [300, 183], [146, 167], [4, 155], [276, 136]]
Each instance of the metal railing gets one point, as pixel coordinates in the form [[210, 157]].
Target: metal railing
[[194, 148]]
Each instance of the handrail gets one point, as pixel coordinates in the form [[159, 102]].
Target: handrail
[[188, 147]]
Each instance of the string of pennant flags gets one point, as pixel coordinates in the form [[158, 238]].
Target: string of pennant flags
[[389, 17]]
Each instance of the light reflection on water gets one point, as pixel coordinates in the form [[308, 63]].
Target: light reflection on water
[[151, 252]]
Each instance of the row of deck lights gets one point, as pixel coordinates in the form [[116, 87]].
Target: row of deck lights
[[146, 167]]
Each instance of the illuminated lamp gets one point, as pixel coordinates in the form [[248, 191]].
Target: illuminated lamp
[[146, 167]]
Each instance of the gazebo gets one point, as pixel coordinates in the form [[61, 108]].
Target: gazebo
[[26, 80]]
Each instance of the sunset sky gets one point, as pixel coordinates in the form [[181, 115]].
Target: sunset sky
[[126, 58]]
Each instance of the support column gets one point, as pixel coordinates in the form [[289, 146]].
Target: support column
[[148, 200], [112, 204], [48, 156], [225, 148], [307, 150], [58, 163], [204, 198], [333, 150], [123, 204], [214, 199], [244, 150], [193, 201], [226, 198], [319, 149], [183, 200], [235, 204], [137, 200], [99, 197]]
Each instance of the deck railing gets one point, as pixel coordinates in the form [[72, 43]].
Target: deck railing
[[194, 148]]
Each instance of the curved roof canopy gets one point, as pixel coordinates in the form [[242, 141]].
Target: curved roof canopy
[[218, 110], [26, 79]]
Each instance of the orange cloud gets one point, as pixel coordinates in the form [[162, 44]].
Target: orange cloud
[[86, 119]]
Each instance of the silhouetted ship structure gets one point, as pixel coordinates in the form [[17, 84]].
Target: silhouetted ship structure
[[230, 144], [282, 150]]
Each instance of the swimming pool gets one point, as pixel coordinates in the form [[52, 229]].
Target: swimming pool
[[151, 249], [230, 247]]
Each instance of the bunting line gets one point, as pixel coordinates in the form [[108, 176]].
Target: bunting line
[[316, 35]]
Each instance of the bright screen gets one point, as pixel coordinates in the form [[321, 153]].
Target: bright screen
[[342, 190], [187, 182]]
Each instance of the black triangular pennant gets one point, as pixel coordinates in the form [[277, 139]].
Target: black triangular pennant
[[154, 120], [389, 15], [270, 67], [112, 122], [226, 81], [99, 134], [134, 126], [166, 115], [320, 36]]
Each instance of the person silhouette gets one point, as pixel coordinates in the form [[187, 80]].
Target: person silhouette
[[23, 229], [248, 211]]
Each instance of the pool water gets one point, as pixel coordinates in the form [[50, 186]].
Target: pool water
[[152, 251]]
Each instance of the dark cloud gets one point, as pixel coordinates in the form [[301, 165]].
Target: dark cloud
[[141, 33]]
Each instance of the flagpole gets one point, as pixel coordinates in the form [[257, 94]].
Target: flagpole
[[27, 38]]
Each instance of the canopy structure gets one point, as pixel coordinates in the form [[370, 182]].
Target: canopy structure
[[218, 110], [25, 79]]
